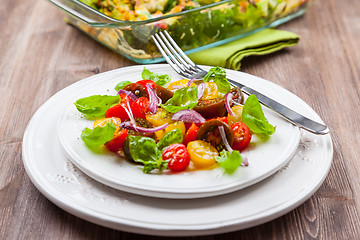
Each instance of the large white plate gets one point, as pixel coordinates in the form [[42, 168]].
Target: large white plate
[[265, 157], [65, 185]]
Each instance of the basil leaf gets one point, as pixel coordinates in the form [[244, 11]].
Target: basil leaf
[[96, 105], [254, 118], [145, 150], [99, 135], [121, 85], [229, 161], [159, 79], [218, 75], [184, 98], [174, 136]]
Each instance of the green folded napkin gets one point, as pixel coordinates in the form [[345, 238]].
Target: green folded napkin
[[230, 55]]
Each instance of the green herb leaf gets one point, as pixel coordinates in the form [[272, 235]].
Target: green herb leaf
[[254, 118], [229, 161], [218, 75], [121, 85], [96, 105], [99, 135], [174, 136], [145, 150], [184, 98], [159, 79]]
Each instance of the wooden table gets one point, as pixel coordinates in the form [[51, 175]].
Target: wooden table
[[41, 55]]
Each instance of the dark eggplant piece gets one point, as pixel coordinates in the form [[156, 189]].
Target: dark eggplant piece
[[216, 107], [209, 132]]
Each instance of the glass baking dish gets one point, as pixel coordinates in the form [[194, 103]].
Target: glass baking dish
[[193, 29]]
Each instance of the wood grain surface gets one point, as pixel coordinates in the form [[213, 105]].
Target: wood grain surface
[[41, 54]]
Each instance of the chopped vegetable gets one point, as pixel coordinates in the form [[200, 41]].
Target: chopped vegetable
[[159, 79], [229, 161], [184, 98], [96, 105]]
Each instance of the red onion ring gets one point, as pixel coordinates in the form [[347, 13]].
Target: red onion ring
[[245, 162], [188, 116], [228, 98], [191, 81], [154, 101], [131, 126], [130, 94], [224, 138], [201, 90]]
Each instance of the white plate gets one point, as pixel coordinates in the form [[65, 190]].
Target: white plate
[[62, 183], [265, 158]]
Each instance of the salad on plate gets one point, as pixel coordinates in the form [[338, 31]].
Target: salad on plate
[[166, 126]]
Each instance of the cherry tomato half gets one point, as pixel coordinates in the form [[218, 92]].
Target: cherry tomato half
[[147, 81], [140, 107], [117, 142], [118, 109], [191, 134], [242, 136], [177, 156]]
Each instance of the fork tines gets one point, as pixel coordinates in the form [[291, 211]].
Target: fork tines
[[174, 55]]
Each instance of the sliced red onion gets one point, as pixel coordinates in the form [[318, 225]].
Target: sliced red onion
[[201, 90], [130, 94], [228, 99], [191, 81], [245, 162], [154, 100], [188, 116], [176, 87], [129, 113], [131, 126], [224, 138]]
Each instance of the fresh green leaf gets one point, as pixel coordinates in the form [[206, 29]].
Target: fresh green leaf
[[99, 135], [121, 85], [254, 118], [159, 79], [174, 136], [218, 75], [145, 150], [184, 98], [229, 161], [96, 105]]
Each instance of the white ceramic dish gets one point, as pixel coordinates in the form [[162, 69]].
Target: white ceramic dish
[[265, 158], [65, 185]]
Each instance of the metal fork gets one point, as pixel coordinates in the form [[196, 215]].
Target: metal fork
[[188, 69]]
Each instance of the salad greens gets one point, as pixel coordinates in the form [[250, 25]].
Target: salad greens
[[99, 135], [254, 118], [229, 161], [184, 98], [96, 105], [174, 136], [146, 151], [218, 75], [121, 85], [159, 79]]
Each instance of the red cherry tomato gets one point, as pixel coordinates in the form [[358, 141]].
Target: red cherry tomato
[[118, 109], [117, 142], [140, 107], [147, 81], [242, 136], [177, 156], [191, 134]]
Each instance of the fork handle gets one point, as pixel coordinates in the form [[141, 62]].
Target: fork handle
[[290, 115]]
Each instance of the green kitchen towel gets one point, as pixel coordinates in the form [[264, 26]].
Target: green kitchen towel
[[230, 55]]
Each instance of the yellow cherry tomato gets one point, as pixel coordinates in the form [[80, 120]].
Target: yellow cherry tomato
[[182, 82], [160, 117], [103, 121], [237, 114], [202, 154], [180, 124], [211, 91]]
